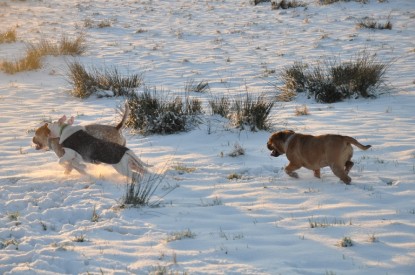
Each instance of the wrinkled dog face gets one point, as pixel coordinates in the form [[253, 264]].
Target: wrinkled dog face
[[41, 137], [273, 145], [276, 142]]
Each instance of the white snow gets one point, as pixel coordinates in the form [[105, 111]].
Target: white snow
[[258, 224]]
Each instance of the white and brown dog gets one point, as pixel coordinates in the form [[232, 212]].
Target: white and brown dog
[[315, 152], [104, 132], [80, 146]]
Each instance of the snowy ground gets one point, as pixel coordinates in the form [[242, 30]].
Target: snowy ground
[[259, 224]]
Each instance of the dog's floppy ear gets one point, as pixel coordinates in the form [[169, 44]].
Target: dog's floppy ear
[[71, 120]]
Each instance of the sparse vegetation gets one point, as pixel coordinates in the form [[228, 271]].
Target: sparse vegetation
[[35, 52], [252, 113], [31, 61], [370, 23], [185, 234], [13, 216], [333, 81], [346, 242], [140, 191], [164, 270], [302, 110], [329, 2], [234, 176], [79, 238], [152, 112], [325, 222], [95, 217], [181, 169], [8, 242], [238, 150], [286, 4], [104, 24], [102, 82], [192, 86], [9, 36], [220, 106]]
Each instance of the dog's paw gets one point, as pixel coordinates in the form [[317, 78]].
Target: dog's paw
[[293, 174]]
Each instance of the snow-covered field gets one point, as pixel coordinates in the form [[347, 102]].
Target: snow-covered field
[[259, 224]]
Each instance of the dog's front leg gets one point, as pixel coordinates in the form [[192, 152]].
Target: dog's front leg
[[70, 160], [290, 168]]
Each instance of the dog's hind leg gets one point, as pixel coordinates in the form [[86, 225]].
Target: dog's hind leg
[[339, 171], [348, 166], [317, 173]]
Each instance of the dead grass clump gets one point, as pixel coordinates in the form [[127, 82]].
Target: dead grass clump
[[152, 112], [329, 2], [220, 106], [256, 2], [302, 110], [31, 61], [252, 113], [192, 86], [103, 82], [333, 81], [370, 23], [286, 4], [34, 53], [9, 36]]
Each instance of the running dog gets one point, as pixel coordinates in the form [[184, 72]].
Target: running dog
[[315, 152], [79, 146], [104, 132]]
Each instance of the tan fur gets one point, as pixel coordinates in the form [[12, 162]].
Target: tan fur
[[315, 152], [105, 132]]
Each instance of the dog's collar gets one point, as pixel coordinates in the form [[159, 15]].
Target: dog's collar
[[62, 128], [287, 142]]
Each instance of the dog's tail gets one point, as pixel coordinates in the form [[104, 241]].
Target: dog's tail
[[136, 164], [124, 118], [356, 143]]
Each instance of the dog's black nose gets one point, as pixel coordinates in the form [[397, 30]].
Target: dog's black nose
[[274, 153]]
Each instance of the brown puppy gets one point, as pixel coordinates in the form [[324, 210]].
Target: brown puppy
[[104, 132], [315, 152]]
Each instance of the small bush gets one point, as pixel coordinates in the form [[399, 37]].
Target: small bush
[[220, 106], [234, 176], [329, 2], [8, 36], [252, 112], [104, 24], [185, 234], [35, 52], [191, 86], [370, 23], [87, 83], [302, 110], [256, 2], [154, 113], [333, 81], [346, 242], [140, 191], [284, 4], [31, 61], [237, 151]]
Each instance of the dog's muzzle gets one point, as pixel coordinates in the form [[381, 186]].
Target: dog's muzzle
[[38, 145], [274, 153]]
